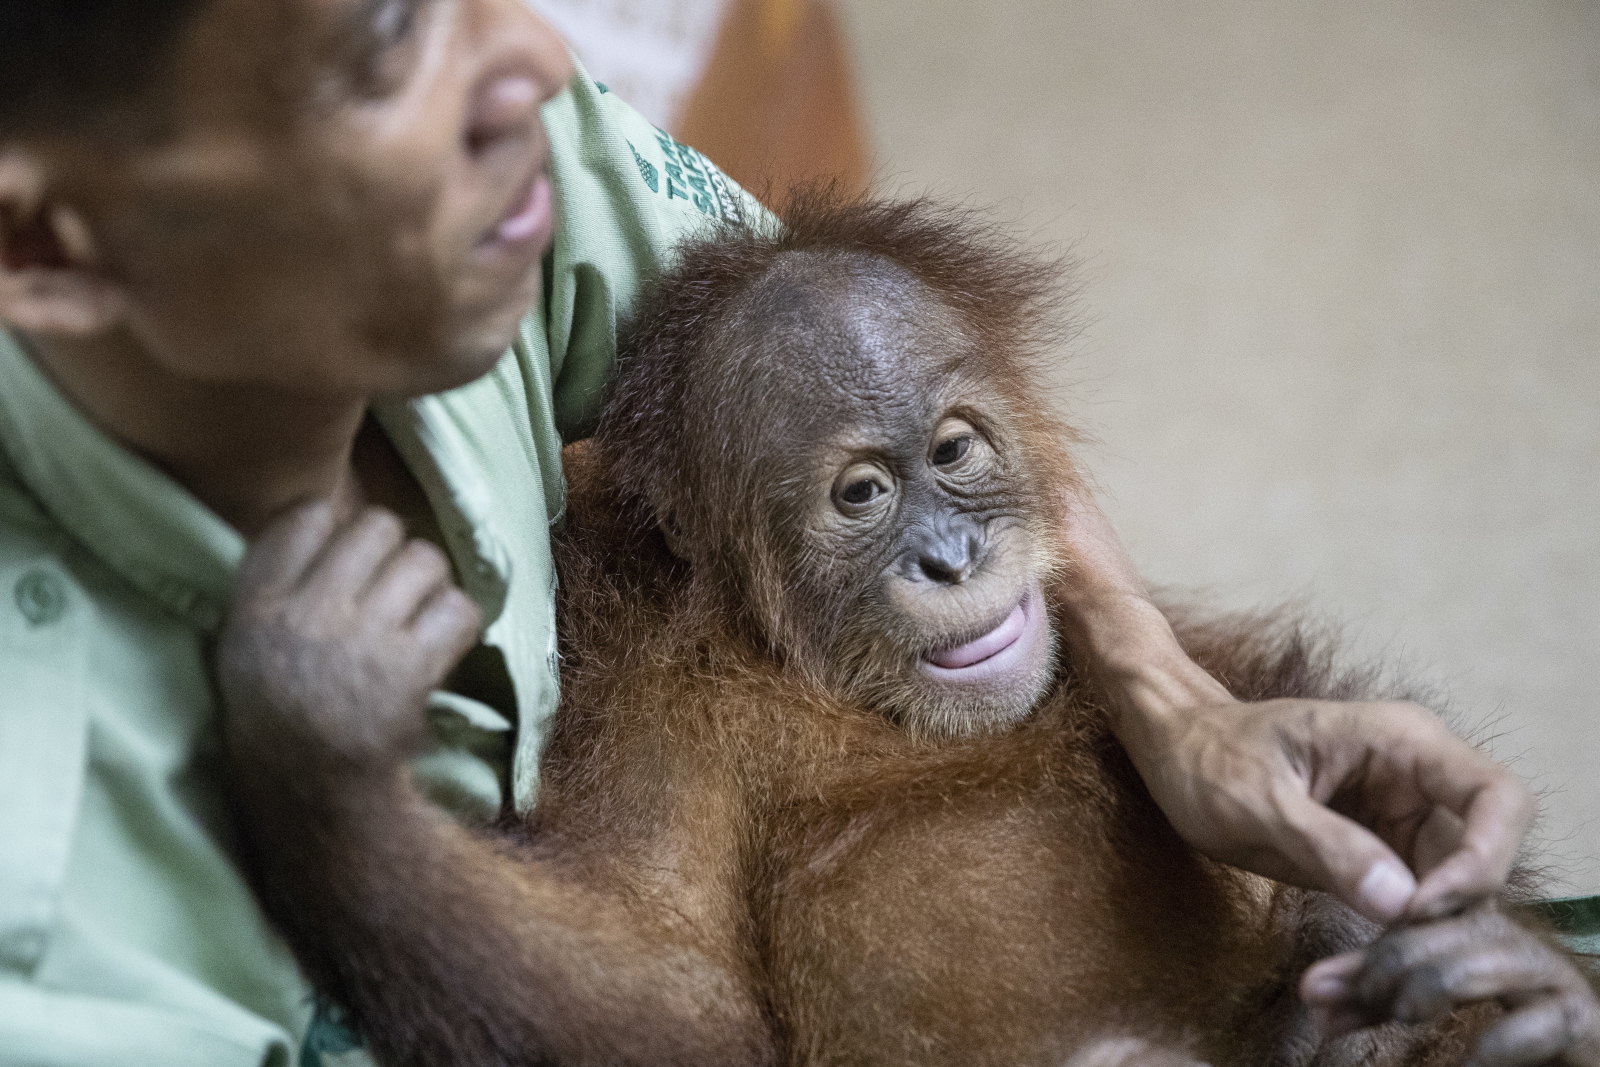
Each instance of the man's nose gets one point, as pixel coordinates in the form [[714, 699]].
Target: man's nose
[[523, 62], [503, 106]]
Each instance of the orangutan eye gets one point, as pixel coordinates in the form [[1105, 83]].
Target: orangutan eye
[[955, 440], [951, 451], [862, 488], [861, 492]]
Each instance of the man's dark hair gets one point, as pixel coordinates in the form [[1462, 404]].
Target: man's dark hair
[[64, 62]]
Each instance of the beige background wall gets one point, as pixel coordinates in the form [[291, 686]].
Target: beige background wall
[[1344, 273]]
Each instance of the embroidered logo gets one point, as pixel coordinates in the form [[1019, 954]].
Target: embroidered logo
[[647, 170], [693, 177]]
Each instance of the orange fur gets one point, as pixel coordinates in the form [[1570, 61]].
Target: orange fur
[[989, 900], [730, 865]]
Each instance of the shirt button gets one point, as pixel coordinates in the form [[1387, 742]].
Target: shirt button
[[22, 947], [23, 944], [41, 597]]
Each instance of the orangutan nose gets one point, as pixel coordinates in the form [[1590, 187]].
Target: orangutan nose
[[949, 553]]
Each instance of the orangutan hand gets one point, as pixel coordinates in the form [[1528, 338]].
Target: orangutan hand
[[335, 637], [1416, 974], [1130, 1052], [1356, 799]]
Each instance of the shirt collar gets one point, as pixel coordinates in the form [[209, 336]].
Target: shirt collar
[[167, 544], [430, 441], [140, 522]]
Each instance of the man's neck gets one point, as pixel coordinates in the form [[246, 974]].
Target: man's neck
[[246, 451]]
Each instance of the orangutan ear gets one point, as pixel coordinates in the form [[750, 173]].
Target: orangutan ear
[[50, 277], [667, 523]]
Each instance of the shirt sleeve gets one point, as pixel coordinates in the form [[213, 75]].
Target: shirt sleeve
[[1576, 920], [626, 194]]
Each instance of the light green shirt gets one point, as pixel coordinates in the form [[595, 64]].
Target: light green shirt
[[127, 934]]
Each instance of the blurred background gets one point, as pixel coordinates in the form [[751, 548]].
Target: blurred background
[[1341, 288]]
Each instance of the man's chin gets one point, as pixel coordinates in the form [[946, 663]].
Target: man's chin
[[473, 349], [484, 335], [464, 366]]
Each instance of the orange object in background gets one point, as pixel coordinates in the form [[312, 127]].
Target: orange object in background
[[777, 104], [763, 87]]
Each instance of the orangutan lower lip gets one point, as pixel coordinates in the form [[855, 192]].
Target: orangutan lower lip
[[982, 648]]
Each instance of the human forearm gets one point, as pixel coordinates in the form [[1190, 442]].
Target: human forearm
[[1117, 634], [1252, 783], [1125, 643]]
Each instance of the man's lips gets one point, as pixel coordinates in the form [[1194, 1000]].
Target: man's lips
[[528, 218], [990, 644]]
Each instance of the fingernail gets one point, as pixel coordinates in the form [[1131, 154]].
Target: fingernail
[[1325, 986], [1331, 980], [1443, 907], [1386, 889]]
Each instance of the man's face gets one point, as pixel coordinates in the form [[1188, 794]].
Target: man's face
[[352, 196]]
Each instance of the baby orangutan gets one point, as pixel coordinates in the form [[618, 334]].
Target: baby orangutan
[[822, 790]]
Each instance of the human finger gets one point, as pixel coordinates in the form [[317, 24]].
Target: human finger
[[1496, 817], [1340, 856], [1437, 837], [1484, 807], [409, 578], [355, 555], [276, 560]]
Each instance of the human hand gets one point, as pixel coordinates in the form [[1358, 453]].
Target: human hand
[[335, 637], [1356, 799], [1351, 798], [1419, 973]]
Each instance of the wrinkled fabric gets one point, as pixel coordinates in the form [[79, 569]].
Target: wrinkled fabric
[[127, 935]]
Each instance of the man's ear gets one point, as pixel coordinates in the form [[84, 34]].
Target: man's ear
[[50, 277]]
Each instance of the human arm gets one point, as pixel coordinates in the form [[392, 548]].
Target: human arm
[[444, 946], [1351, 798]]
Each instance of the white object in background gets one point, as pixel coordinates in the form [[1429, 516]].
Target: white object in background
[[649, 52]]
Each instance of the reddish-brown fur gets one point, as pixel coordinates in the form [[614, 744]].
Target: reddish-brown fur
[[730, 866], [991, 900]]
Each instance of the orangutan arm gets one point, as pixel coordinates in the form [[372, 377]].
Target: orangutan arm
[[447, 950], [444, 947]]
